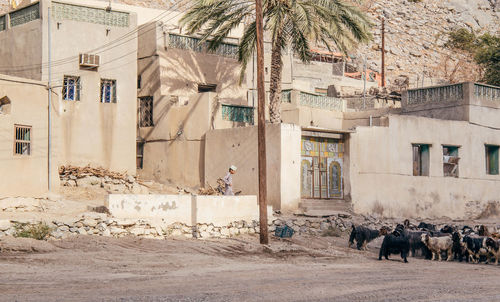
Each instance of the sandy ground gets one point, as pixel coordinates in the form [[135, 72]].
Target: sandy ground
[[302, 269]]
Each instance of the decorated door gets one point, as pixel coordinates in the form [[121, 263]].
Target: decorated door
[[321, 167]]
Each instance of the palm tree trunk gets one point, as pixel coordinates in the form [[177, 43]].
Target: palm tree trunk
[[275, 83]]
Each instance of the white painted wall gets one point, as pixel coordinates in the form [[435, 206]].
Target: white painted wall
[[381, 169], [187, 209], [290, 166]]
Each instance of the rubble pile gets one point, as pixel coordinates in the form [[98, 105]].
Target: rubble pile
[[209, 190], [112, 182]]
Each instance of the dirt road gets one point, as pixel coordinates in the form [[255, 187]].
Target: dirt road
[[304, 269]]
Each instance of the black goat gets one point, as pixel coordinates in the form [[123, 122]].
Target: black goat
[[476, 247], [426, 226], [395, 243], [466, 230], [458, 250], [493, 247], [415, 238], [483, 231], [364, 235], [447, 229]]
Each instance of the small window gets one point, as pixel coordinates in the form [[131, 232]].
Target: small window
[[421, 159], [140, 155], [207, 87], [108, 91], [22, 140], [139, 82], [5, 105], [146, 111], [71, 88], [491, 159], [450, 161]]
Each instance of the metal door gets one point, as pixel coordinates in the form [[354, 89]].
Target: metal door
[[321, 168]]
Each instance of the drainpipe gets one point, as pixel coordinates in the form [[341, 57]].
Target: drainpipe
[[50, 103]]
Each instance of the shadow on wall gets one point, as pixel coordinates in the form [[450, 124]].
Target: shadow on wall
[[182, 70]]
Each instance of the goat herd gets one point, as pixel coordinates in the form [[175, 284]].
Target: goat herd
[[472, 244]]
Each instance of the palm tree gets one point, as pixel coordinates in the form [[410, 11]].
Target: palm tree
[[293, 24]]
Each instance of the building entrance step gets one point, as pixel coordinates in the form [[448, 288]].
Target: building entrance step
[[324, 205]]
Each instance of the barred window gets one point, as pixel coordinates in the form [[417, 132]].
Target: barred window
[[71, 88], [108, 91], [146, 111], [22, 140]]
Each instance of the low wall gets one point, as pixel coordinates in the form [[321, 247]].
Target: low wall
[[186, 209]]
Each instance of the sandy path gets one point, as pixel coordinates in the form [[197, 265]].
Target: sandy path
[[306, 269]]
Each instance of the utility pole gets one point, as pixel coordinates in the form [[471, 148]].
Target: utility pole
[[383, 52], [264, 236], [364, 81], [49, 143]]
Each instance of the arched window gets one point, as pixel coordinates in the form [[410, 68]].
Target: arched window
[[335, 180]]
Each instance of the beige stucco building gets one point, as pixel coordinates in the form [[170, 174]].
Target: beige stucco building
[[435, 156], [152, 98], [24, 138], [93, 59]]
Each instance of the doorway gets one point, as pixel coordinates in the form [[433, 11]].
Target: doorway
[[321, 168]]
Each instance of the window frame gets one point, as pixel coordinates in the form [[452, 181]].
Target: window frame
[[143, 121], [496, 151], [77, 88], [453, 158], [139, 157], [203, 88], [113, 94], [421, 170], [23, 141]]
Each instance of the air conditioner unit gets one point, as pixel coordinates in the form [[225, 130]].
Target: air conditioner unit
[[88, 60]]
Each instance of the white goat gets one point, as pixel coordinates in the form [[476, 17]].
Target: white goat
[[438, 244]]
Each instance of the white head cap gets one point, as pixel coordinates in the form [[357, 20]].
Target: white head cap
[[233, 168]]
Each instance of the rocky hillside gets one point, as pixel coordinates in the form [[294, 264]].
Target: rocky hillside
[[415, 35]]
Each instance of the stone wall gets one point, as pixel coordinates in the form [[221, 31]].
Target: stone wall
[[97, 224]]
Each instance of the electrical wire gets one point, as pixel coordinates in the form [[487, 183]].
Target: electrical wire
[[105, 47]]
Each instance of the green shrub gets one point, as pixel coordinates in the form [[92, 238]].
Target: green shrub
[[463, 39], [485, 49], [38, 231]]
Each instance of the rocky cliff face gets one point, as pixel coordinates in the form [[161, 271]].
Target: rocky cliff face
[[415, 35]]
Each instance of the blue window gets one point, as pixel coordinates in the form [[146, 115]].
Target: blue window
[[108, 91], [71, 88]]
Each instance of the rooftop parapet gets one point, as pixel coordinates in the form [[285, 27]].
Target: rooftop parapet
[[307, 99], [452, 102]]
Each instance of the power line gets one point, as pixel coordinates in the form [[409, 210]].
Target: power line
[[129, 53], [66, 60]]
